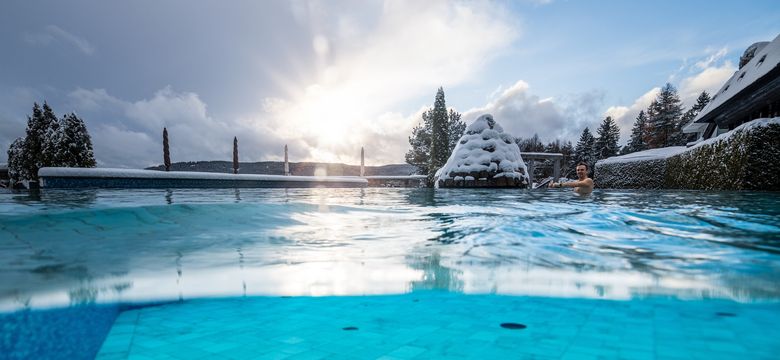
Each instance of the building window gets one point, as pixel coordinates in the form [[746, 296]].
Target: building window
[[761, 61], [725, 88], [741, 76]]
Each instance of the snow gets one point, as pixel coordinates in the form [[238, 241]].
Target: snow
[[152, 174], [396, 177], [663, 153], [749, 73], [652, 154], [473, 153]]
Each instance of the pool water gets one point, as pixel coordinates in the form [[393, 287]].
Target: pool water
[[389, 273]]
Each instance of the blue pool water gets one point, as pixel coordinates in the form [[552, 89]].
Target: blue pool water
[[389, 273]]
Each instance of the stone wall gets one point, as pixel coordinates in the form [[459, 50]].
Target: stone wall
[[747, 158]]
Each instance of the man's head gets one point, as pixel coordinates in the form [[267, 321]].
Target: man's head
[[582, 170]]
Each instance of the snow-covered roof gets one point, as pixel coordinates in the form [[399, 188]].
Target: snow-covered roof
[[666, 152], [766, 58], [153, 174], [485, 147]]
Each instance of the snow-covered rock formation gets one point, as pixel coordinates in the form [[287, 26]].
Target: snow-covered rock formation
[[742, 159], [485, 156]]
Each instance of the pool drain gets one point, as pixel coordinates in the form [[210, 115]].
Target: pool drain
[[513, 326], [350, 328], [726, 314]]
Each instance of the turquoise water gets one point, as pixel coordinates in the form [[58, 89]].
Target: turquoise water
[[394, 273]]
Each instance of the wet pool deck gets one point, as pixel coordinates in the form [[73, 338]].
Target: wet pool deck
[[432, 324]]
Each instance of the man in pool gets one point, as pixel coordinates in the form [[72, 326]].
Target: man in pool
[[582, 186]]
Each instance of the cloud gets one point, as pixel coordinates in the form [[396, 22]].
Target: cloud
[[707, 74], [54, 33], [401, 52], [624, 116], [523, 114], [129, 133]]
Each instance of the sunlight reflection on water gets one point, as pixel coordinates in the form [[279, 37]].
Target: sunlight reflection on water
[[67, 247]]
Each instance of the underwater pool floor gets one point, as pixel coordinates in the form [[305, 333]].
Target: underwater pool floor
[[437, 324]]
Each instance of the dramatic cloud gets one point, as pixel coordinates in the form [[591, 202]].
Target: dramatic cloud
[[54, 33], [523, 114], [369, 67], [129, 134]]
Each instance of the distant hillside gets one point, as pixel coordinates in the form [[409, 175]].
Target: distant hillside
[[300, 168]]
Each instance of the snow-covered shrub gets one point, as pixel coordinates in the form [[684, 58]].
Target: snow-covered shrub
[[485, 156], [747, 158]]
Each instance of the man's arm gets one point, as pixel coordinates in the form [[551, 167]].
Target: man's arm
[[586, 183]]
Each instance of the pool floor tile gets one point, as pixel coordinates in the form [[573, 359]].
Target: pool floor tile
[[443, 325]]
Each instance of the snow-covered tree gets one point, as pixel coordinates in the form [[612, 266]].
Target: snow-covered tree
[[663, 117], [568, 165], [50, 142], [532, 144], [51, 138], [40, 140], [73, 143], [17, 161], [606, 144], [455, 129], [687, 118], [440, 142], [421, 152], [584, 151], [637, 140]]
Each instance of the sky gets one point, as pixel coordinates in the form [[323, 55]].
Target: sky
[[329, 77]]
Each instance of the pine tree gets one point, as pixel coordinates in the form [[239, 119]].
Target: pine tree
[[568, 163], [663, 117], [51, 138], [532, 144], [39, 142], [455, 129], [235, 155], [450, 129], [637, 140], [420, 142], [16, 161], [687, 118], [166, 151], [606, 145], [440, 143], [585, 149], [74, 145]]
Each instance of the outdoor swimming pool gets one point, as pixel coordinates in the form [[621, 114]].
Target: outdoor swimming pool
[[394, 273]]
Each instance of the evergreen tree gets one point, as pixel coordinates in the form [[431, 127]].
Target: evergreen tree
[[39, 143], [73, 143], [584, 151], [440, 143], [568, 164], [450, 129], [532, 144], [637, 140], [687, 118], [235, 155], [606, 145], [663, 117], [455, 129], [420, 142], [51, 138], [17, 169], [166, 151]]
